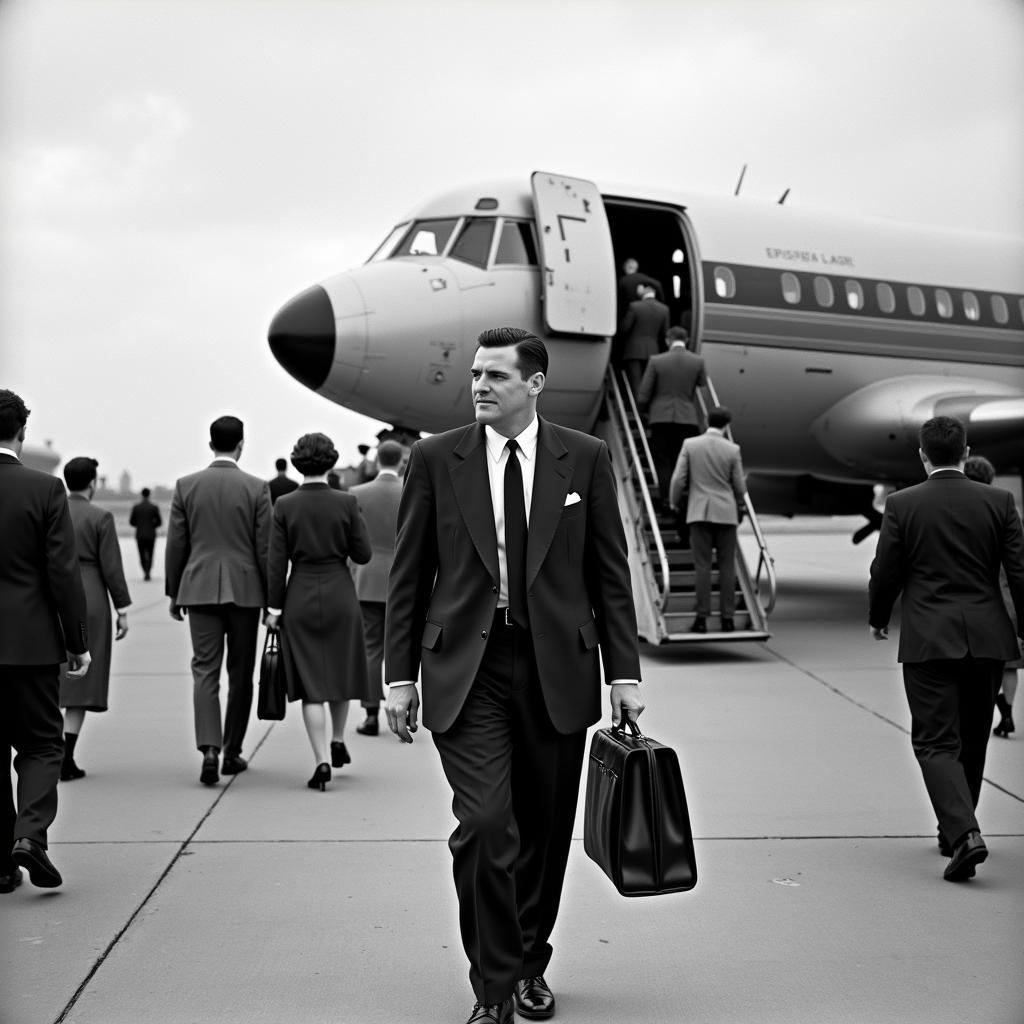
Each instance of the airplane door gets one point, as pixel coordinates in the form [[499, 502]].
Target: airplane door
[[577, 261]]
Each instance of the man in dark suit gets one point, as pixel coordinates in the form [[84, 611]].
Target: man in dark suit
[[218, 538], [667, 397], [643, 330], [510, 570], [146, 519], [378, 501], [282, 483], [630, 283], [42, 607], [941, 544]]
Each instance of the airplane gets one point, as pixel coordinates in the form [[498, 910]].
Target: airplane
[[40, 456], [830, 338]]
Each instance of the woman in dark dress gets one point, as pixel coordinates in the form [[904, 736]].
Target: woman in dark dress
[[99, 557], [316, 531]]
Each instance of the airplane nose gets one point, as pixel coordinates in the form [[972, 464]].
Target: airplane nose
[[302, 337]]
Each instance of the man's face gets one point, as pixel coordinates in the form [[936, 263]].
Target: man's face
[[630, 266], [501, 398]]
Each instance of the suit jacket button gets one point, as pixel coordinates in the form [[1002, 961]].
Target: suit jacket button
[[483, 634], [494, 590]]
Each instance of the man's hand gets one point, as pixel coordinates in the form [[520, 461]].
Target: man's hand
[[78, 664], [880, 632], [272, 622], [122, 625], [625, 698], [402, 707], [177, 612]]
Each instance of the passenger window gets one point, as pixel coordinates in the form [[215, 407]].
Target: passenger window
[[427, 238], [791, 288], [915, 299], [823, 292], [854, 295], [725, 283], [972, 309], [943, 303], [1000, 310], [474, 243], [886, 297], [515, 244]]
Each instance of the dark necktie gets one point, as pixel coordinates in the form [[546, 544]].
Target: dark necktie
[[515, 537]]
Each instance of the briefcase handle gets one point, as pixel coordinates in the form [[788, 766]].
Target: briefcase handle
[[620, 729]]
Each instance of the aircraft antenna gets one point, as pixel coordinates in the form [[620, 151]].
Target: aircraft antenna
[[782, 198], [739, 184]]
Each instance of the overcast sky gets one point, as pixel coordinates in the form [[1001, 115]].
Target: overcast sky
[[174, 172]]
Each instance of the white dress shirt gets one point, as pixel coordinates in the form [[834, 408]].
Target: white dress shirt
[[497, 456]]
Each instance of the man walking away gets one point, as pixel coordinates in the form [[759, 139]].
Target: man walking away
[[146, 519], [282, 483], [378, 501], [710, 471], [218, 539], [43, 611], [668, 399], [940, 546]]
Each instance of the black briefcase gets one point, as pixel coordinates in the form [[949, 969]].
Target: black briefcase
[[272, 698], [636, 825]]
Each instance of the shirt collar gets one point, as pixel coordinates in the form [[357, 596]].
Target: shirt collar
[[388, 472], [946, 469], [678, 344], [527, 441], [226, 458], [9, 451], [716, 430]]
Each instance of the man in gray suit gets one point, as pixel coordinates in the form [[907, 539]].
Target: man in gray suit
[[667, 397], [378, 501], [216, 567], [710, 470]]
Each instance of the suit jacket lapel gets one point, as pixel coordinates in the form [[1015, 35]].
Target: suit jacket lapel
[[468, 472], [551, 478]]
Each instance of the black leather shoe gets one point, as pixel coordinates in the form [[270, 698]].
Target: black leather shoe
[[944, 848], [728, 625], [700, 625], [369, 726], [10, 879], [339, 755], [534, 1000], [32, 857], [234, 765], [967, 854], [496, 1013], [210, 775], [70, 772]]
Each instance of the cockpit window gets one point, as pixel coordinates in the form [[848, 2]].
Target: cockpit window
[[427, 238], [474, 242], [515, 244], [384, 249]]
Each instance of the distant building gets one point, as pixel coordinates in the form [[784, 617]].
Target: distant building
[[126, 483]]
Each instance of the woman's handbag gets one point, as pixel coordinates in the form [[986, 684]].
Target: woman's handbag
[[272, 698], [636, 825]]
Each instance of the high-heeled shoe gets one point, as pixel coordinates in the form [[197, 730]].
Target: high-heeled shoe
[[321, 777], [1005, 726], [339, 754]]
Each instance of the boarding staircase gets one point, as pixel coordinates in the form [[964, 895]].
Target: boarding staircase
[[661, 566]]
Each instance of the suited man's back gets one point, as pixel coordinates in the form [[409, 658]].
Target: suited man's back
[[42, 603], [713, 478], [669, 386], [378, 501], [942, 543], [644, 325], [218, 538]]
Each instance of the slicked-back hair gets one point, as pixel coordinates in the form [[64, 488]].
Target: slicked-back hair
[[719, 417], [531, 353], [280, 465], [677, 334], [226, 433], [389, 454], [943, 439], [80, 472], [13, 415], [314, 454], [977, 467]]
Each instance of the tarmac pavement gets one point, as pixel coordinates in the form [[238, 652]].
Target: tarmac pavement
[[820, 897]]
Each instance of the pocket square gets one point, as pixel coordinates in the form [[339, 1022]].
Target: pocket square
[[571, 499]]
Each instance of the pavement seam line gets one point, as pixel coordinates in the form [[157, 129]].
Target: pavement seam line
[[871, 711], [101, 959]]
